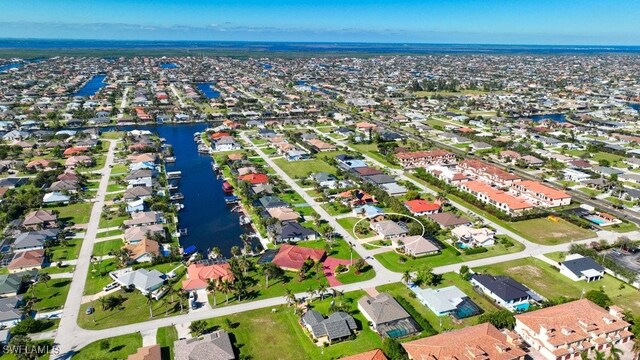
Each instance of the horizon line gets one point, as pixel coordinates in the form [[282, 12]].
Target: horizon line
[[322, 42]]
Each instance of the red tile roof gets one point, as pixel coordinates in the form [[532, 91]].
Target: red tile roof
[[376, 354], [255, 178], [198, 275], [421, 205], [291, 257]]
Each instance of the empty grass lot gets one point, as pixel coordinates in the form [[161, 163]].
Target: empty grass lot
[[105, 247], [63, 253], [548, 282], [77, 213], [303, 168], [120, 347], [165, 338], [547, 232], [52, 295]]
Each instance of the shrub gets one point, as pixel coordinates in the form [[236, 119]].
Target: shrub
[[475, 250], [427, 329]]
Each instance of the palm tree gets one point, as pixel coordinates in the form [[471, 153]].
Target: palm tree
[[599, 355], [636, 348], [226, 287], [406, 277], [235, 251], [269, 270], [211, 287], [316, 267], [215, 252], [289, 296], [103, 302], [170, 292], [150, 302], [614, 353], [182, 294], [322, 288], [44, 277]]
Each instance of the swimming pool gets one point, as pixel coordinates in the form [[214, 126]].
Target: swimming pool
[[466, 309], [596, 219], [396, 333], [461, 245], [522, 307]]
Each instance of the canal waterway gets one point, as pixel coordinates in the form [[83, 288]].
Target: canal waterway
[[560, 118], [208, 220], [92, 86], [208, 90]]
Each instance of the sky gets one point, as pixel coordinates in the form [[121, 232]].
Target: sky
[[566, 22]]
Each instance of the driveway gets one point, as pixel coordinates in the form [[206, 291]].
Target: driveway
[[329, 266]]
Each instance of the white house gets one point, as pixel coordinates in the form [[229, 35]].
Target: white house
[[577, 267]]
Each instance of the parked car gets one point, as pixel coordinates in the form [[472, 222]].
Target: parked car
[[111, 286], [89, 310]]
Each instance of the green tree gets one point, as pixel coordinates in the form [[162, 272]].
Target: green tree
[[392, 348], [599, 298], [198, 327], [44, 278], [500, 319]]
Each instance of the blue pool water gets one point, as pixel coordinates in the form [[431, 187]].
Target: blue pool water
[[396, 333], [92, 86], [522, 307], [467, 309], [461, 245], [207, 90], [595, 219]]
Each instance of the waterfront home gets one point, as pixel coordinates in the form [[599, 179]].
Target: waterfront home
[[199, 275], [215, 345], [40, 219], [416, 245], [268, 202], [290, 232], [283, 214], [255, 179], [442, 302], [261, 189], [135, 234], [143, 251], [474, 237], [143, 280], [577, 267], [144, 218], [134, 206], [226, 143], [482, 341], [564, 331], [26, 260], [144, 165], [143, 177], [337, 326], [505, 291], [292, 257], [137, 193], [421, 207], [386, 316], [448, 219]]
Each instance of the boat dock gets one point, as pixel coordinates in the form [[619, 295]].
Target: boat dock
[[174, 175]]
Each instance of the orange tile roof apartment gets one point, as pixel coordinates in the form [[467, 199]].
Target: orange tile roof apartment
[[564, 331], [487, 173], [498, 198], [479, 342], [540, 195], [416, 159]]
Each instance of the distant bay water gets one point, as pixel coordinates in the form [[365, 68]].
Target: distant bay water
[[313, 47]]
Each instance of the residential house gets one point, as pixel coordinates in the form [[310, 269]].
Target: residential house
[[226, 143], [421, 207], [369, 212], [565, 331], [143, 280], [474, 237], [33, 240], [40, 219], [152, 352], [144, 219], [268, 202], [337, 326], [283, 214], [212, 346], [10, 313], [291, 232], [376, 354], [482, 341], [55, 198], [291, 257], [255, 179], [505, 291], [199, 275], [135, 234], [135, 206], [577, 267], [11, 284], [448, 219], [26, 260], [143, 251], [418, 246], [137, 193], [296, 155], [388, 229], [143, 177], [443, 301], [356, 197], [69, 186], [386, 316], [326, 180]]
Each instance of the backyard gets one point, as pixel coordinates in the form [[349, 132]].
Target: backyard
[[548, 282]]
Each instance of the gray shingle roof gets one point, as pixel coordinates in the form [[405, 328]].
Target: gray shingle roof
[[383, 308]]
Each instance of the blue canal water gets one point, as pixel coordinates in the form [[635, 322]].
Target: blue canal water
[[635, 106], [92, 86], [7, 67], [555, 117], [208, 220], [207, 90], [168, 66], [267, 66]]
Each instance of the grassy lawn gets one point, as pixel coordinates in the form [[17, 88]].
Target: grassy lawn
[[119, 169], [115, 187], [262, 334], [133, 310], [63, 253], [622, 228], [113, 222], [120, 347], [58, 270], [165, 338], [303, 168], [77, 213], [52, 295], [339, 251], [391, 259], [371, 150], [558, 256], [349, 222], [590, 191], [334, 209], [548, 282], [292, 197], [546, 232], [109, 233], [105, 247], [351, 277], [98, 275]]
